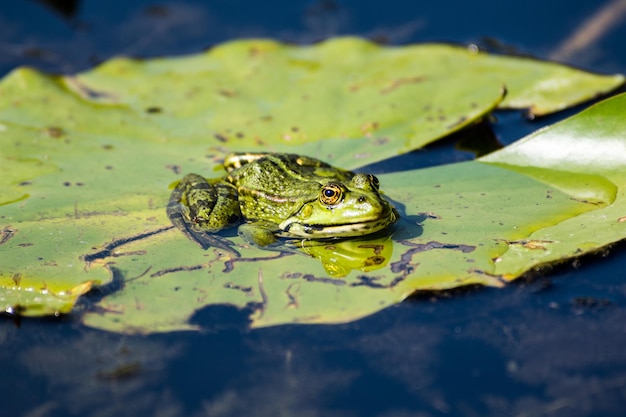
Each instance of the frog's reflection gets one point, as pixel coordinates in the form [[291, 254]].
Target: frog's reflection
[[340, 257]]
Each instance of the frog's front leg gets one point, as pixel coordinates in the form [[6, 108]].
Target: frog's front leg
[[259, 233]]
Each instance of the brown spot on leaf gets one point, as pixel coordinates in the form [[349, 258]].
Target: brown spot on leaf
[[174, 168], [232, 286], [6, 233], [369, 127], [254, 52], [431, 215], [227, 92], [222, 138], [585, 201], [533, 244], [54, 131], [399, 82]]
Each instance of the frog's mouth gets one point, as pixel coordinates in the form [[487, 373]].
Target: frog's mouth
[[359, 228]]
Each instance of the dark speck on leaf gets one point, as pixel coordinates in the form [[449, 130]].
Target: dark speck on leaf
[[153, 110], [67, 183], [220, 137], [109, 167], [240, 135], [54, 132], [460, 121], [25, 183], [107, 147], [227, 93], [174, 168]]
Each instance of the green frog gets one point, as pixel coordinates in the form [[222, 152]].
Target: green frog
[[281, 195]]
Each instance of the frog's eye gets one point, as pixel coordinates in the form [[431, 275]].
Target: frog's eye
[[331, 194]]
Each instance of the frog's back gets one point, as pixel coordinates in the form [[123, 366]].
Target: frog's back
[[274, 186]]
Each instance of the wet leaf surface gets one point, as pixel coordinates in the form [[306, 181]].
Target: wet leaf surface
[[88, 159]]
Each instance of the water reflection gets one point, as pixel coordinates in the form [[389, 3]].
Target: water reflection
[[340, 257]]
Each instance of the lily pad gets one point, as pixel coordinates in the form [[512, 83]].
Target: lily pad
[[87, 160], [479, 222]]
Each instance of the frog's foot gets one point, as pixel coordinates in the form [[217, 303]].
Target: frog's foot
[[260, 234]]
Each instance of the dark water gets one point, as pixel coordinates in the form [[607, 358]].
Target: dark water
[[550, 345]]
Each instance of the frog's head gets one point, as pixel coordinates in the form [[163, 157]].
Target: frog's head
[[342, 209]]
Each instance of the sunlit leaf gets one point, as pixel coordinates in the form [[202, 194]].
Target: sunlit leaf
[[86, 162], [480, 222]]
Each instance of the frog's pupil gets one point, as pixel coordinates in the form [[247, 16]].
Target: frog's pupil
[[329, 193]]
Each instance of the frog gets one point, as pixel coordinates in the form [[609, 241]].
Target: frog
[[271, 196]]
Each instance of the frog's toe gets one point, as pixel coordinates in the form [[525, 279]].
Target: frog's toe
[[257, 235]]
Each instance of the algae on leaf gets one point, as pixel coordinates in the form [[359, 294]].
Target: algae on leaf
[[86, 162]]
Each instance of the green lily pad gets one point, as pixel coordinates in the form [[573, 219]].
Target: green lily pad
[[87, 160], [480, 222]]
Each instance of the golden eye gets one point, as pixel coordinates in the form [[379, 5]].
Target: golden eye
[[331, 194]]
